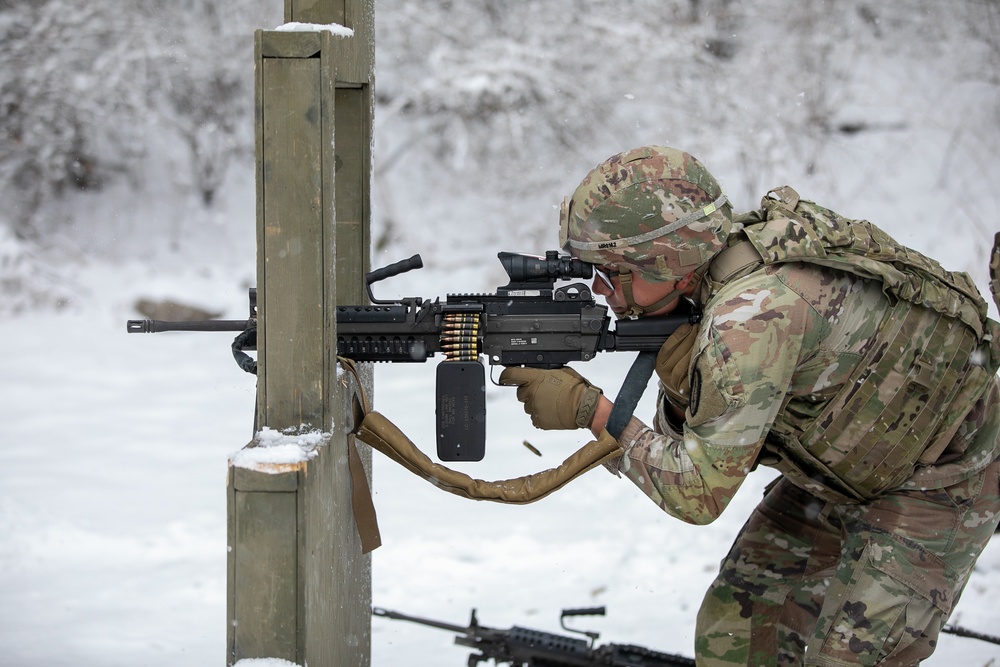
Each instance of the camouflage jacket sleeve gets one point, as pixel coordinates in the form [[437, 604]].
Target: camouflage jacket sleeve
[[751, 341]]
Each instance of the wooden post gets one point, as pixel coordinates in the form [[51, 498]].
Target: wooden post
[[299, 586]]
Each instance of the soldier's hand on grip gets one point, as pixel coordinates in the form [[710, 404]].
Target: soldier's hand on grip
[[555, 399]]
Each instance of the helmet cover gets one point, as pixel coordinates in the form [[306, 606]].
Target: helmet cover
[[656, 210]]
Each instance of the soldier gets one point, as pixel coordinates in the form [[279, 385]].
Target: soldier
[[861, 370]]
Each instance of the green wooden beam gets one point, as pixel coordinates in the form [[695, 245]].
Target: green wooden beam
[[317, 11], [299, 587]]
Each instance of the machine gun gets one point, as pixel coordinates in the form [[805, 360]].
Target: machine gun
[[524, 647], [528, 322]]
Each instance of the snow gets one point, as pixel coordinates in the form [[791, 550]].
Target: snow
[[273, 451], [115, 447], [334, 28]]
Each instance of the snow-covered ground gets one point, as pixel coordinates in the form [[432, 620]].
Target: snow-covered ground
[[112, 507]]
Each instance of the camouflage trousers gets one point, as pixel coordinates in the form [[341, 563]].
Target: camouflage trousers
[[814, 583]]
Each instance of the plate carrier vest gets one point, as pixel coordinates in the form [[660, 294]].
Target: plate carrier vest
[[901, 407]]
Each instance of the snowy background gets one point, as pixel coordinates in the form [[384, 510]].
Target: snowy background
[[126, 172]]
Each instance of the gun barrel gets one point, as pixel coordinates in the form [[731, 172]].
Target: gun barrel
[[396, 616], [158, 326]]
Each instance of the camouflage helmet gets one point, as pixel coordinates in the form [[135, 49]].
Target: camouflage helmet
[[656, 210]]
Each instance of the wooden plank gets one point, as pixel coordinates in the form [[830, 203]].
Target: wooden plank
[[354, 56], [336, 576], [283, 478], [231, 549], [323, 560], [291, 311], [265, 564], [258, 110], [316, 11], [351, 148], [281, 44]]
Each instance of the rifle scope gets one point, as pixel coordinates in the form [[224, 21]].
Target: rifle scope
[[532, 268]]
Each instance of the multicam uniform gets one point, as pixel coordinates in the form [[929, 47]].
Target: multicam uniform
[[861, 370], [846, 561]]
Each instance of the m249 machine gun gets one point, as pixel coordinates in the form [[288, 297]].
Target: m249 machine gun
[[524, 647], [528, 322]]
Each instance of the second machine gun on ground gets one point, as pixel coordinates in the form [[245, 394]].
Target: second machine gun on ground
[[525, 647]]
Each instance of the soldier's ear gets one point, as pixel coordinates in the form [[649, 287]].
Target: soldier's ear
[[687, 282]]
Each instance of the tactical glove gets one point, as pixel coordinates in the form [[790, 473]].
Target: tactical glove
[[555, 399], [672, 363]]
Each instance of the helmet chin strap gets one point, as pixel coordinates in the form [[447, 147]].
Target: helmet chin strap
[[635, 310]]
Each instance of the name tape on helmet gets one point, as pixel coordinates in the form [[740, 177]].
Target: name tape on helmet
[[694, 216]]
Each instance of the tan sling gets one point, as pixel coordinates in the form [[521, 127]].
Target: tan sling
[[381, 434]]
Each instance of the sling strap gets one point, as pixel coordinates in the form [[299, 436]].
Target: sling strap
[[376, 430], [380, 433], [632, 389]]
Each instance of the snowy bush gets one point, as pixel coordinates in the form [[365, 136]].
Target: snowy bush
[[28, 281], [91, 91]]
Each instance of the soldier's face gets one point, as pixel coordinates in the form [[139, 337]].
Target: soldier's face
[[608, 284]]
